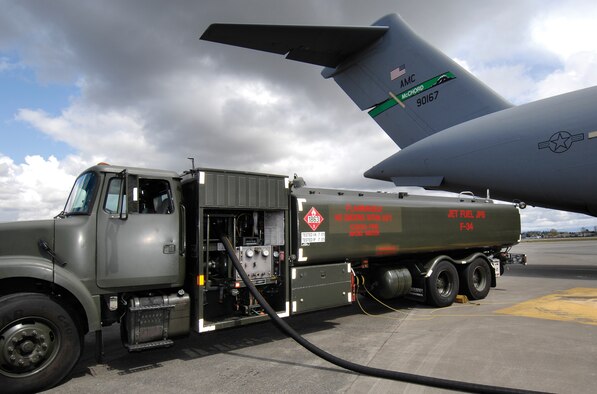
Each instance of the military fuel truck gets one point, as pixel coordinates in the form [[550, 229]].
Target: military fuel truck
[[144, 248]]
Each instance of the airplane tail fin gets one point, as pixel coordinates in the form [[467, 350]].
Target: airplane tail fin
[[411, 89]]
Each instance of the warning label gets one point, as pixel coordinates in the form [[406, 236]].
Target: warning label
[[363, 220], [314, 237], [313, 218]]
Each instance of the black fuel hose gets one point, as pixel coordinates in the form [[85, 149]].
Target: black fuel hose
[[361, 369]]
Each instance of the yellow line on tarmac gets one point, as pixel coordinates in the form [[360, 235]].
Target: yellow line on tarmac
[[577, 305]]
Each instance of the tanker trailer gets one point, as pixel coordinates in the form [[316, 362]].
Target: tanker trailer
[[427, 248]]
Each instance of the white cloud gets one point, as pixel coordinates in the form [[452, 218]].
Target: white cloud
[[37, 188], [257, 93], [567, 31], [497, 76], [9, 64], [97, 134], [569, 34], [5, 64], [579, 71], [161, 95], [546, 219], [548, 51]]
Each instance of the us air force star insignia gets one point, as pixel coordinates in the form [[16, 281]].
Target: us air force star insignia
[[561, 141]]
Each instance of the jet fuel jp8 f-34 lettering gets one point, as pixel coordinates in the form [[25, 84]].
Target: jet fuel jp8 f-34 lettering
[[454, 132]]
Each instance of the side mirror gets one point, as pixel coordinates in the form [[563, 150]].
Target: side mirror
[[128, 200], [122, 205], [132, 192]]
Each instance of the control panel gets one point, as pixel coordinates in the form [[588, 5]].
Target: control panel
[[257, 262]]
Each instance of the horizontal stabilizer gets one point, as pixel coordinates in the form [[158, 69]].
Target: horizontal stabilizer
[[321, 45], [411, 89]]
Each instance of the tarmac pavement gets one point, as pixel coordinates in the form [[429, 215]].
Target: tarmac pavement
[[537, 330]]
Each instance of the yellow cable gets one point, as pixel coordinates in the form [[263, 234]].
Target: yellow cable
[[387, 306], [370, 314], [430, 316]]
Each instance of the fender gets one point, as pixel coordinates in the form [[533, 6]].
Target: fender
[[433, 262], [43, 269]]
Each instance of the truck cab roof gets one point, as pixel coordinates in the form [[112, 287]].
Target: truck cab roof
[[114, 169]]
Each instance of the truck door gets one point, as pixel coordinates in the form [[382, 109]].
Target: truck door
[[140, 246]]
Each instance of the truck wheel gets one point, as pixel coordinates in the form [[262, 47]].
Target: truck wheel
[[39, 342], [476, 279], [442, 285]]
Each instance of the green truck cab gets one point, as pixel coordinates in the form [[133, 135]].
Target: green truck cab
[[143, 248]]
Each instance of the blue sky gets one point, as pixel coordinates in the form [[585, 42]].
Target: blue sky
[[130, 83], [21, 88]]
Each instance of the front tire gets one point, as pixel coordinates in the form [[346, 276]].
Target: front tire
[[442, 285], [39, 342], [476, 279]]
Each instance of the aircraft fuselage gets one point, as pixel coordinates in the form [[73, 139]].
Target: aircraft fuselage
[[543, 153]]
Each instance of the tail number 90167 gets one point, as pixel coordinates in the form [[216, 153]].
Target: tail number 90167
[[428, 98]]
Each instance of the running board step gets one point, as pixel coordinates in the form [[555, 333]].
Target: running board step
[[149, 345]]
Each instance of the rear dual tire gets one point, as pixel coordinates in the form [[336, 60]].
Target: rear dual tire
[[442, 284], [475, 279]]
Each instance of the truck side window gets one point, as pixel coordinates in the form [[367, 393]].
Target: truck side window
[[155, 196], [113, 195]]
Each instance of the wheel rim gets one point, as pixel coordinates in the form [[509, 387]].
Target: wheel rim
[[479, 279], [444, 284], [28, 346]]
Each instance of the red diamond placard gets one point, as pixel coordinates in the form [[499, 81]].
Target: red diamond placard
[[313, 218]]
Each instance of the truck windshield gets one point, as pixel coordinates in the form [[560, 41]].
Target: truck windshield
[[80, 199]]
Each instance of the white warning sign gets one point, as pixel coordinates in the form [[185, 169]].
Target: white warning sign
[[312, 237]]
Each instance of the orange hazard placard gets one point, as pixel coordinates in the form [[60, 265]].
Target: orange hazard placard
[[313, 218]]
